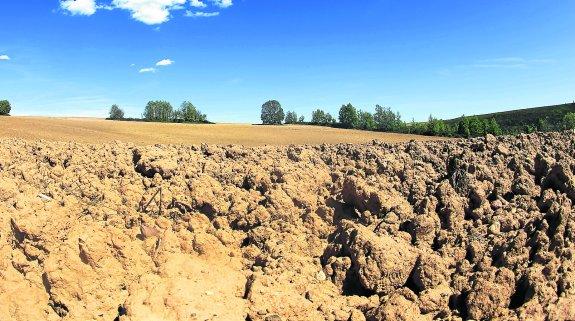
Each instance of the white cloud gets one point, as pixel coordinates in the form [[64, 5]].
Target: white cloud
[[197, 4], [164, 62], [4, 57], [223, 3], [201, 14], [79, 7], [145, 70], [150, 12]]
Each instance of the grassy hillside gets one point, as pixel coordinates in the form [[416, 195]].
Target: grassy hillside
[[520, 119]]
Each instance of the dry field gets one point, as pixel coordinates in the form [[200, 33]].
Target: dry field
[[91, 130], [480, 229]]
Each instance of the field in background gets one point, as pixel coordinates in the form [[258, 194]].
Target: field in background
[[518, 120], [91, 130]]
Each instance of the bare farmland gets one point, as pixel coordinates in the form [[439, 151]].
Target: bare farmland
[[91, 130]]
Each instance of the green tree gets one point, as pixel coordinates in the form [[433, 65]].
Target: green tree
[[190, 114], [272, 113], [348, 117], [329, 119], [463, 127], [530, 128], [386, 120], [159, 110], [476, 126], [317, 117], [492, 127], [320, 117], [366, 120], [116, 112], [569, 121], [291, 117], [5, 107], [543, 124], [437, 127], [419, 128], [301, 119]]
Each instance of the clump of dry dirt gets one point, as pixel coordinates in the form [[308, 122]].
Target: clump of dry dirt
[[467, 229]]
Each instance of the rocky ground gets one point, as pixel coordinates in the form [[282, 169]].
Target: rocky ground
[[468, 229]]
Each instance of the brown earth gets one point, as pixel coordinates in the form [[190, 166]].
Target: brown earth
[[93, 130], [456, 230]]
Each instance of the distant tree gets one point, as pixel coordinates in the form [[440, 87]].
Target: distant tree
[[158, 110], [317, 117], [410, 127], [348, 116], [569, 121], [366, 120], [463, 127], [400, 126], [320, 117], [476, 126], [386, 120], [272, 113], [189, 113], [116, 112], [291, 117], [301, 119], [329, 119], [437, 127], [419, 128], [530, 128], [543, 124], [492, 127], [5, 107]]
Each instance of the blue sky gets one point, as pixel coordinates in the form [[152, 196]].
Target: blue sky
[[441, 57]]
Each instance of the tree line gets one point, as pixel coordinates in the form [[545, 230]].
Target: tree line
[[162, 111], [381, 119], [384, 119]]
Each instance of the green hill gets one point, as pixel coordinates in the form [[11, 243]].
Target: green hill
[[529, 119]]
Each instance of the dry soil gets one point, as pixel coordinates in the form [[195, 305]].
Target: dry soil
[[476, 229], [92, 130]]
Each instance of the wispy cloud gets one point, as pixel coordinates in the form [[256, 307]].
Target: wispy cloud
[[201, 14], [4, 57], [151, 12], [164, 62], [495, 63], [146, 70], [509, 62]]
